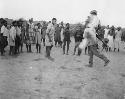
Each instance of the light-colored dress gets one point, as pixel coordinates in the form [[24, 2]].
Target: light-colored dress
[[12, 36], [110, 43], [117, 40], [38, 36]]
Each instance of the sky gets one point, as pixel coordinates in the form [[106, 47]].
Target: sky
[[110, 12]]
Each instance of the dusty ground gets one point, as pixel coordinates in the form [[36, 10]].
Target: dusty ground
[[32, 76]]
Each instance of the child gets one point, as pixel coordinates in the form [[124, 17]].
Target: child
[[38, 37], [12, 37]]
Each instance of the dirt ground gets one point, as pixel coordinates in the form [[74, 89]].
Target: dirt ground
[[32, 76]]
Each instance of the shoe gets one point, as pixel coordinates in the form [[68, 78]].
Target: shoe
[[106, 63], [67, 54], [89, 65], [50, 58], [118, 50]]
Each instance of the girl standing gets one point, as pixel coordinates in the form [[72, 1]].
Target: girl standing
[[38, 37]]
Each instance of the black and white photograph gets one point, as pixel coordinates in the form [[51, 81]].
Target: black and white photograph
[[62, 49]]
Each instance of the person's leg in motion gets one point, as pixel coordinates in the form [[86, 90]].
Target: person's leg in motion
[[76, 45], [98, 54], [48, 50]]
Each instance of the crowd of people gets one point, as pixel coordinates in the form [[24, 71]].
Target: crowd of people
[[51, 34]]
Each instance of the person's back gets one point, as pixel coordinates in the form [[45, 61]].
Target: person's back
[[91, 36], [57, 31], [78, 35]]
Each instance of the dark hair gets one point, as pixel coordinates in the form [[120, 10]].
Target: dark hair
[[14, 22], [4, 22], [54, 19], [94, 12], [67, 24]]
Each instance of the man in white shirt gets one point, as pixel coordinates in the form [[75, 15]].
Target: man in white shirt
[[12, 37], [106, 32], [90, 34], [117, 40], [4, 34]]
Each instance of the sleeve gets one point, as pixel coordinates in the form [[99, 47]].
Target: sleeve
[[2, 29]]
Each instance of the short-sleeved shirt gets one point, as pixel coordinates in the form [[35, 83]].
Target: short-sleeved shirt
[[4, 31]]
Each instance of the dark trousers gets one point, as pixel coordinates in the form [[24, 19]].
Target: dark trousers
[[12, 50], [93, 51], [76, 46], [38, 47], [66, 42], [3, 44], [17, 44], [2, 50], [5, 41], [60, 44], [44, 41], [48, 50], [21, 47], [28, 46]]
